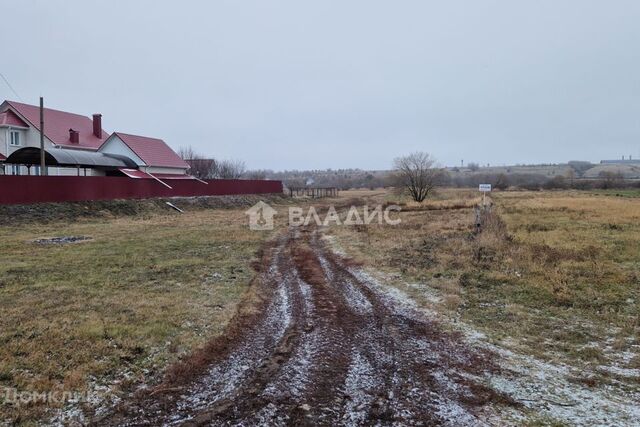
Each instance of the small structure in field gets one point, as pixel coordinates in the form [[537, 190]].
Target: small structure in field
[[313, 192]]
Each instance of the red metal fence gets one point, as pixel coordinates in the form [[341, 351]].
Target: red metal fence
[[16, 190]]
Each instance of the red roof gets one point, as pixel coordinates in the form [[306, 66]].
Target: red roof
[[135, 173], [2, 157], [9, 118], [57, 125], [152, 151]]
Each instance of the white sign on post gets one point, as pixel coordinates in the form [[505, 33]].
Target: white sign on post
[[485, 188]]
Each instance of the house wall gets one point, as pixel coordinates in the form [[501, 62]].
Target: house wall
[[29, 137], [3, 141], [74, 172], [174, 171], [26, 139], [52, 171], [114, 145]]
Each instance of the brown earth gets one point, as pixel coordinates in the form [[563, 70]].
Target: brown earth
[[326, 344]]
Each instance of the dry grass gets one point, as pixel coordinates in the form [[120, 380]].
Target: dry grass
[[554, 272], [116, 309]]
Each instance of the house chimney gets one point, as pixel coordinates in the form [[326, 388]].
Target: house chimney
[[97, 125], [74, 136]]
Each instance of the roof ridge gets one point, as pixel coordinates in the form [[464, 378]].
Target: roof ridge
[[138, 136], [46, 108]]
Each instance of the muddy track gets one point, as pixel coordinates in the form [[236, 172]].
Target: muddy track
[[328, 345]]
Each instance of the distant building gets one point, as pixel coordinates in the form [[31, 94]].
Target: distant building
[[622, 161]]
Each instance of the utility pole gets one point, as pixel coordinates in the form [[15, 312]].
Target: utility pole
[[43, 167]]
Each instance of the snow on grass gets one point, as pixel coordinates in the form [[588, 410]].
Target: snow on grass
[[454, 415], [293, 378], [543, 387], [360, 384], [356, 299], [427, 292], [223, 378]]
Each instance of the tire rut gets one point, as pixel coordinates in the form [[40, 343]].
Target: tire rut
[[331, 346]]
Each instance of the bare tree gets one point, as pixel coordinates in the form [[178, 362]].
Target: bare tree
[[199, 166], [611, 179], [501, 182], [418, 173], [473, 167], [187, 153], [202, 168], [229, 169], [571, 176], [257, 174]]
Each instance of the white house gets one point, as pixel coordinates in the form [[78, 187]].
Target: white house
[[74, 142], [152, 155]]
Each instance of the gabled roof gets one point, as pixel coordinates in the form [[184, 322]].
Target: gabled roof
[[153, 151], [9, 118], [57, 124]]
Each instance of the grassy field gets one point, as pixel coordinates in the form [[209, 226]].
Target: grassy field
[[553, 274], [117, 308]]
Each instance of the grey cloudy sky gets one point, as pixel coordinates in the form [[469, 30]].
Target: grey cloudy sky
[[334, 84]]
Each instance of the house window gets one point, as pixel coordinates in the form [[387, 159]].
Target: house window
[[15, 138], [15, 169]]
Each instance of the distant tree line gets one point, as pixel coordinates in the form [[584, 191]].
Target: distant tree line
[[502, 181], [418, 166]]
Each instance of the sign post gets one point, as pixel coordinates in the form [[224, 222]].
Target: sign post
[[484, 189]]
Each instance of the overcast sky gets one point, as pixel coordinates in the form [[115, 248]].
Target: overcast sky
[[335, 84]]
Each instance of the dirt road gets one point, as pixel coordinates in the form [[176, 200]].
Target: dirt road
[[328, 345]]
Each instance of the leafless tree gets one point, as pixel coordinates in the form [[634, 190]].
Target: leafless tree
[[611, 179], [473, 167], [187, 153], [202, 168], [418, 173], [199, 166], [257, 174], [501, 182], [229, 169]]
